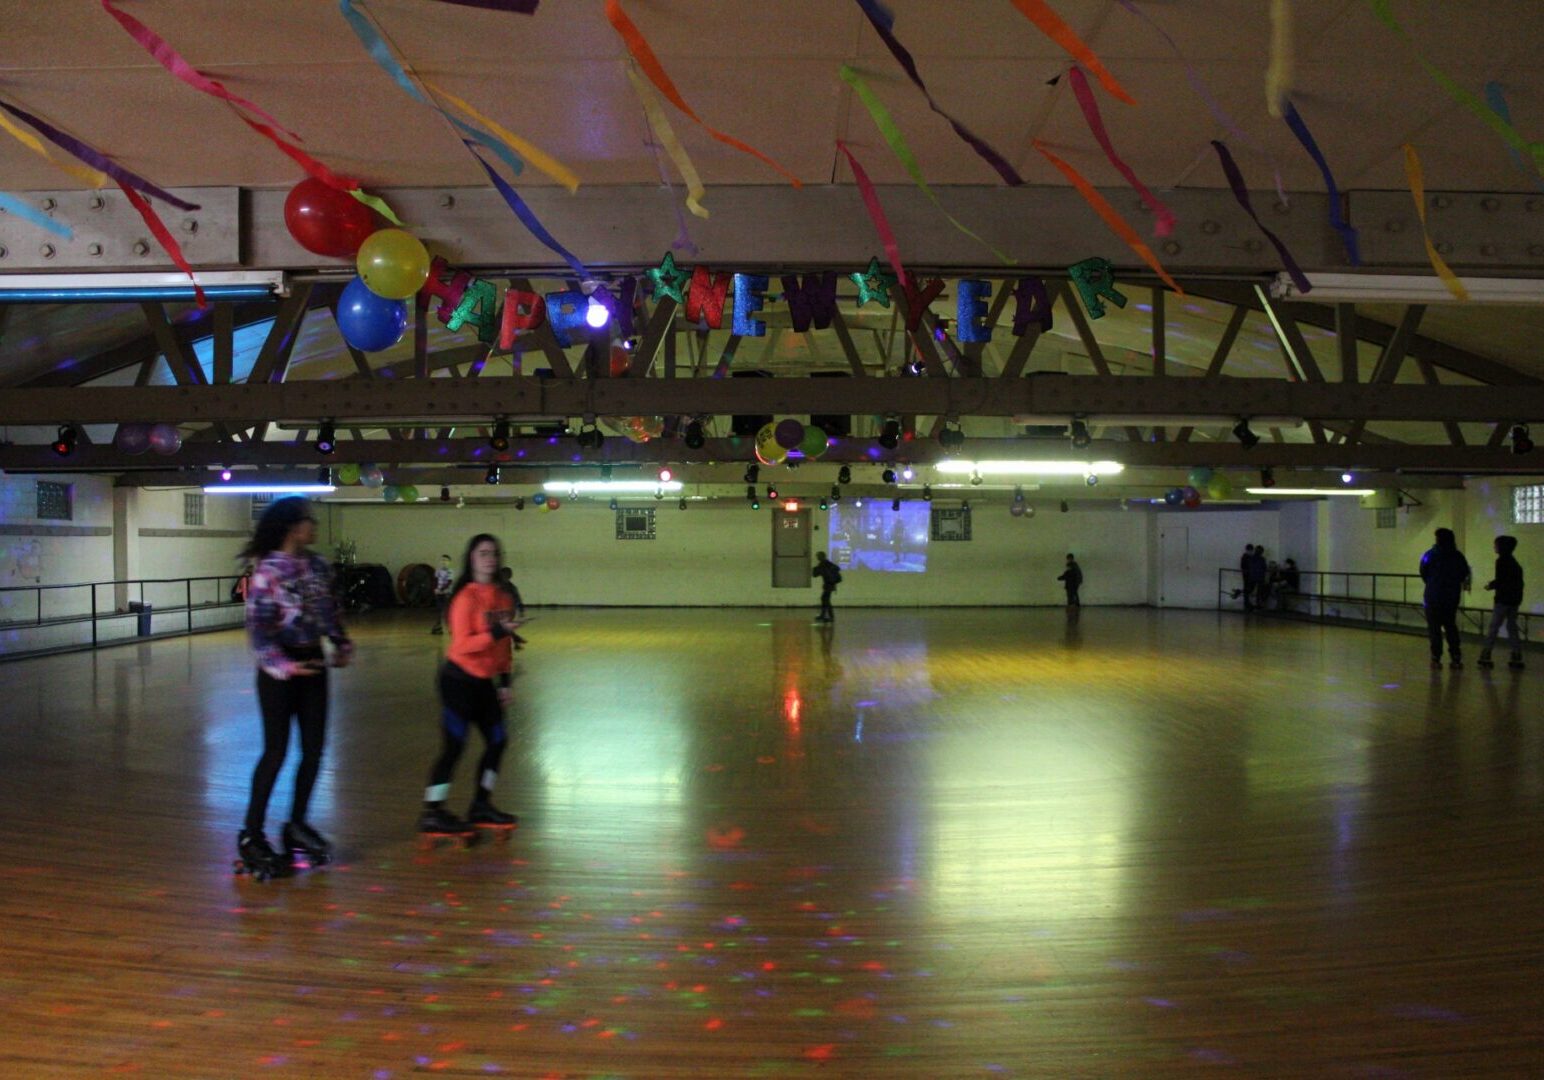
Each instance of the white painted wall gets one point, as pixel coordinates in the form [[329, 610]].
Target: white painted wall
[[1212, 539], [29, 556], [1488, 514], [721, 555]]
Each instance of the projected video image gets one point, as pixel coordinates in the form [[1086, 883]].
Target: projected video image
[[874, 537]]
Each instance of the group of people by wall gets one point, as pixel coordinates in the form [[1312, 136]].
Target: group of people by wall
[[1446, 575], [1266, 584]]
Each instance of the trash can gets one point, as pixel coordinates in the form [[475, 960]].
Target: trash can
[[143, 611]]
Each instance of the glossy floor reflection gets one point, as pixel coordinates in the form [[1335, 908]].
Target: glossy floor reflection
[[917, 843]]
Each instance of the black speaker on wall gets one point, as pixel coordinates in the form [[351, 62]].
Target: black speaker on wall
[[749, 425], [836, 425]]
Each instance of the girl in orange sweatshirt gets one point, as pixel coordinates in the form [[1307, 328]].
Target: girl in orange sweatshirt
[[474, 687]]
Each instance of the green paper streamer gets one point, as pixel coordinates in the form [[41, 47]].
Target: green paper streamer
[[897, 142], [1509, 134], [378, 204]]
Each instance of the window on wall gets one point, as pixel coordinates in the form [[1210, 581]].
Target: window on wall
[[55, 502], [1528, 505], [259, 504], [1388, 517], [192, 508]]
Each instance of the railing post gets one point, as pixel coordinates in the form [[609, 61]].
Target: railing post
[[93, 617], [187, 596]]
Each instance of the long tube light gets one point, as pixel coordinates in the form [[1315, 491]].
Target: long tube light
[[1408, 289], [1031, 468], [1274, 491], [612, 487], [104, 288], [276, 488]]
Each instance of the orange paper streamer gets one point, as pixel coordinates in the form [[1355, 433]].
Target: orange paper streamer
[[1414, 174], [1110, 215], [1051, 25], [656, 72]]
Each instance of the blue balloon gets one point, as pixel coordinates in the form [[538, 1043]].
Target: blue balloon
[[1174, 496], [370, 322], [539, 499]]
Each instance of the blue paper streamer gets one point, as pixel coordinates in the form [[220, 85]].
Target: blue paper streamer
[[1241, 194], [1495, 97], [11, 204], [527, 218], [1337, 219]]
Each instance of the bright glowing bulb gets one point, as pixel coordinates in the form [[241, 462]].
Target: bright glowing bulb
[[665, 475], [596, 314], [1347, 478], [906, 473]]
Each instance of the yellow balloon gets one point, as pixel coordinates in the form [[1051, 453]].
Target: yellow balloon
[[393, 264], [767, 448]]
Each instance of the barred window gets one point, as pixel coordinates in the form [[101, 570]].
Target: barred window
[[1528, 505], [1387, 517], [259, 504], [55, 501], [192, 508]]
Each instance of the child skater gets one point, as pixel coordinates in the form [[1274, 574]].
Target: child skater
[[474, 688], [1508, 587], [290, 609]]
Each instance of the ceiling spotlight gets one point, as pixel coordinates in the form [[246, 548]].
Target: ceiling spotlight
[[659, 493], [895, 504], [499, 440], [755, 503], [1242, 433], [1521, 443], [888, 476], [1018, 494], [326, 438], [225, 476], [927, 492], [492, 475], [750, 491], [844, 475], [1092, 479], [605, 471], [823, 504], [1268, 477], [907, 474], [964, 504], [858, 503], [65, 439], [975, 479], [1064, 506], [836, 491], [1347, 478], [951, 438], [664, 475], [1080, 436], [681, 505], [612, 504], [590, 438], [444, 494], [890, 434], [772, 492], [751, 473], [461, 503], [519, 502], [694, 436], [596, 315]]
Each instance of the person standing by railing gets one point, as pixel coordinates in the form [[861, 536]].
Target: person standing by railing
[[290, 609], [1508, 587], [1446, 574]]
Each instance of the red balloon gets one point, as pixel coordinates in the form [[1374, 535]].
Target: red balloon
[[326, 221]]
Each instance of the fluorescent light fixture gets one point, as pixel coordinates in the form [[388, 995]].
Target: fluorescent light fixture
[[1031, 468], [611, 487], [275, 488], [1308, 491], [104, 288], [1411, 289]]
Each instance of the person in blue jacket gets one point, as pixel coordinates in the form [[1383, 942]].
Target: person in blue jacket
[[1446, 574]]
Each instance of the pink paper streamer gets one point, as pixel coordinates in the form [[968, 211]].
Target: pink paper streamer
[[876, 214]]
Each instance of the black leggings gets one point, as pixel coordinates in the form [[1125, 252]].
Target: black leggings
[[1442, 618], [303, 697], [467, 700]]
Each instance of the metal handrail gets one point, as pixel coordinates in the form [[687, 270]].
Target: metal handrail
[[1325, 606], [95, 612]]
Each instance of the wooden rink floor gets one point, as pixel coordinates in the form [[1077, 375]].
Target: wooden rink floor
[[951, 843]]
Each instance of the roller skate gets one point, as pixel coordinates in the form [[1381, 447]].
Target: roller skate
[[1516, 663], [436, 824], [489, 820], [1485, 661], [254, 856], [301, 839]]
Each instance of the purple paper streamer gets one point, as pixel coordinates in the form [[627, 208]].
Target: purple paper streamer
[[1241, 193], [1304, 136], [517, 7], [527, 218], [882, 20], [1211, 103], [95, 159]]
